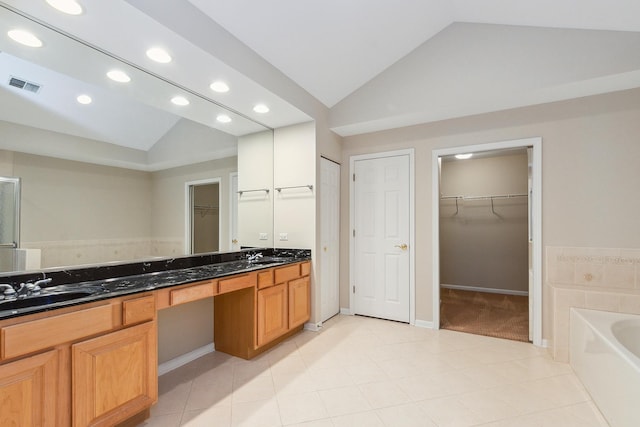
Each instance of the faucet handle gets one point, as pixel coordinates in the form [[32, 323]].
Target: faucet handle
[[9, 291]]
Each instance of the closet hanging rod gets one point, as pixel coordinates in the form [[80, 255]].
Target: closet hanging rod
[[495, 196], [309, 186], [266, 190]]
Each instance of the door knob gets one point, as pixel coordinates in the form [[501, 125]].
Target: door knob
[[325, 249], [234, 241], [402, 246]]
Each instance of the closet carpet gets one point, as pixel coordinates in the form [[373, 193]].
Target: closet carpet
[[481, 313]]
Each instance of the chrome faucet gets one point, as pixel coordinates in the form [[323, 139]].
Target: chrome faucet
[[8, 289], [254, 257]]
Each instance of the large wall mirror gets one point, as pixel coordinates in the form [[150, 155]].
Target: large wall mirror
[[103, 164]]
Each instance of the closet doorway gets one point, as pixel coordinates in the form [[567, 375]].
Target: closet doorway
[[486, 240], [203, 216]]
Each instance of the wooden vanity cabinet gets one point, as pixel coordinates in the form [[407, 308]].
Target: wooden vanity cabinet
[[92, 365], [271, 313], [29, 391], [114, 376], [250, 321]]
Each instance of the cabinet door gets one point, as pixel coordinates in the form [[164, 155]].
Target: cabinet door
[[299, 302], [29, 391], [114, 376], [272, 313]]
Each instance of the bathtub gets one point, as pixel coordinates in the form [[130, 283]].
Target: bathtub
[[604, 351]]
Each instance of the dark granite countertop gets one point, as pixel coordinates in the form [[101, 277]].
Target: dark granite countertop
[[81, 285]]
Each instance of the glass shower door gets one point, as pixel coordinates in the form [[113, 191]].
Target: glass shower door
[[9, 222]]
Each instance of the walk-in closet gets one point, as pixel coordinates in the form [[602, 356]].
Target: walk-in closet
[[484, 243]]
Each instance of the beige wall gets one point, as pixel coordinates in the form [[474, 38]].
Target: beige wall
[[68, 200], [481, 247], [169, 198], [590, 173]]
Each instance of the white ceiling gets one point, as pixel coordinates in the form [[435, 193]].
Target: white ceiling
[[359, 65], [333, 47]]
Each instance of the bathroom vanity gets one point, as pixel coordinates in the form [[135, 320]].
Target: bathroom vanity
[[84, 353]]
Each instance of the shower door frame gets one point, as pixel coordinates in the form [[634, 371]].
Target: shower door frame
[[535, 221]]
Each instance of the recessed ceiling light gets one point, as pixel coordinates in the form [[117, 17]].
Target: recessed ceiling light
[[180, 100], [84, 99], [261, 108], [70, 7], [25, 38], [159, 55], [464, 156], [219, 87], [118, 76], [223, 118]]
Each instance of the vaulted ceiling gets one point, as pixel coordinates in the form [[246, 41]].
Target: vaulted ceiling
[[368, 65]]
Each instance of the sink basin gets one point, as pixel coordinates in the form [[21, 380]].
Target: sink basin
[[264, 262], [41, 300]]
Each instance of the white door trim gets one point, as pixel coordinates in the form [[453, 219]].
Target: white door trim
[[412, 284], [187, 209], [536, 222], [233, 197]]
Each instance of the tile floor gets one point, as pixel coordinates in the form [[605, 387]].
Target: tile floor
[[367, 372]]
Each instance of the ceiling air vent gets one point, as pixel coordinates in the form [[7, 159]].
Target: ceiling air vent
[[23, 84]]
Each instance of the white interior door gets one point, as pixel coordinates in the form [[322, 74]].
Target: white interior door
[[381, 286], [330, 239]]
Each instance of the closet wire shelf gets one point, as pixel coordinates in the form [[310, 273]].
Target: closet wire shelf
[[489, 197]]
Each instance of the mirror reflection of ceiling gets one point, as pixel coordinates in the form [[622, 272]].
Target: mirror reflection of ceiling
[[143, 128], [368, 65]]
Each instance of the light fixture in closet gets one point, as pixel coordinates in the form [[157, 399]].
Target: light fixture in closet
[[464, 156]]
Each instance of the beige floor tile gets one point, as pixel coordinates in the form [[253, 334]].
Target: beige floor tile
[[369, 372], [171, 420], [171, 398], [300, 408], [407, 415], [422, 387], [317, 423], [366, 373], [210, 417], [207, 394], [261, 413], [324, 379], [383, 394], [449, 412], [345, 400], [259, 388], [361, 419], [294, 383], [287, 365], [488, 405]]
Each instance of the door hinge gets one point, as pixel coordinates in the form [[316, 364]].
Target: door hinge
[[354, 232], [354, 289], [354, 177]]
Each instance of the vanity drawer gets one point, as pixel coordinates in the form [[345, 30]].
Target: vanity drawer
[[237, 282], [305, 268], [265, 278], [284, 274], [138, 310], [44, 333], [193, 293]]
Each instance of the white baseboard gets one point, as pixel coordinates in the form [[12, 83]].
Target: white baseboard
[[488, 290], [423, 324], [172, 364], [345, 311], [313, 327], [544, 344]]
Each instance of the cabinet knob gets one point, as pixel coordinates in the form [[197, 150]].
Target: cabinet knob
[[234, 241]]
